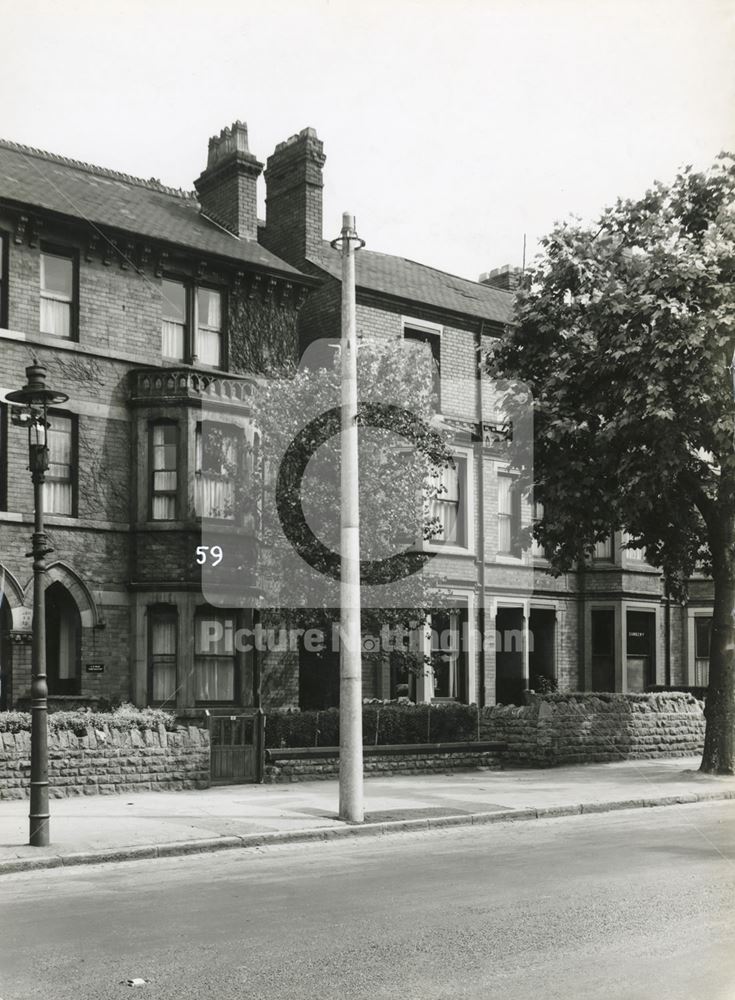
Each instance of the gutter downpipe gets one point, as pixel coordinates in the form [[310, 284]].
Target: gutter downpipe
[[481, 616]]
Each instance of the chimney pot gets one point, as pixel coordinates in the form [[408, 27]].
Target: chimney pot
[[227, 189], [506, 277]]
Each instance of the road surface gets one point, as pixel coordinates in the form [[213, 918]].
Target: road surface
[[625, 905]]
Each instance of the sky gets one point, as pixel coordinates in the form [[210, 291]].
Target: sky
[[451, 127]]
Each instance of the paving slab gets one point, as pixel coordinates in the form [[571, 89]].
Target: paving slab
[[92, 829]]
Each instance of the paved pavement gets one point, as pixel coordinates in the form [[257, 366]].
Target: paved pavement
[[88, 830]]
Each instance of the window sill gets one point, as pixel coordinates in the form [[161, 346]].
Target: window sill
[[506, 559]]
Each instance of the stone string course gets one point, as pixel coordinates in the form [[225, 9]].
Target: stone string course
[[108, 760], [585, 728], [382, 766]]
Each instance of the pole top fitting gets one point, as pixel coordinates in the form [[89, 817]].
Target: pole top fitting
[[35, 392], [348, 234]]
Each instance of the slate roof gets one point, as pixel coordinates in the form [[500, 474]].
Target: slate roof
[[407, 279], [108, 198]]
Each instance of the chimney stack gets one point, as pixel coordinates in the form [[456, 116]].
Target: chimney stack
[[227, 189], [293, 181], [506, 277]]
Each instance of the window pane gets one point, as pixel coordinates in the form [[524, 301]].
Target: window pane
[[209, 347], [57, 275], [172, 340], [55, 317], [164, 508], [209, 304], [702, 637], [163, 657], [57, 490], [164, 446], [215, 678], [174, 301], [603, 549]]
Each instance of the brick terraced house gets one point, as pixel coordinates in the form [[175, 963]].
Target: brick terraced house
[[155, 309]]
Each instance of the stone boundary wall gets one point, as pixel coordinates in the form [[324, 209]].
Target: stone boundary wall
[[586, 728], [383, 765], [108, 760]]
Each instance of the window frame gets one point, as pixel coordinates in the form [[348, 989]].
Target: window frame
[[73, 419], [515, 515], [160, 612], [191, 289], [464, 456], [205, 612], [236, 433], [71, 254], [152, 493]]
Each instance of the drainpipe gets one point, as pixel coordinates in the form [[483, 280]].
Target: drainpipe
[[480, 563]]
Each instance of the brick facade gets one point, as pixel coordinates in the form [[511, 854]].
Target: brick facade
[[279, 293]]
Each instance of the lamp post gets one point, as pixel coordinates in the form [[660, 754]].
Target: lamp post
[[36, 397], [351, 806]]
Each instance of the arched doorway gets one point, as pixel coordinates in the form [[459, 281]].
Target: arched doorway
[[63, 641]]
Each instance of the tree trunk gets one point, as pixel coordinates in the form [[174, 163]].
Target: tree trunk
[[719, 739]]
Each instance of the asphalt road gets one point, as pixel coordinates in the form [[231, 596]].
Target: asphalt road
[[626, 905]]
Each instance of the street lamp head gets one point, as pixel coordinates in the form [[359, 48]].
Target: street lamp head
[[35, 393], [37, 397]]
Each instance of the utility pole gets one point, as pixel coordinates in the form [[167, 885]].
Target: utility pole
[[351, 804]]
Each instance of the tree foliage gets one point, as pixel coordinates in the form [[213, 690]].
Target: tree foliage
[[400, 460], [624, 333]]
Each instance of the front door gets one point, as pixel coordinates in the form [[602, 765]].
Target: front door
[[63, 641], [640, 651]]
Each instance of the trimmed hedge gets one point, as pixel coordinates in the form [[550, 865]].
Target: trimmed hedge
[[382, 725], [125, 718]]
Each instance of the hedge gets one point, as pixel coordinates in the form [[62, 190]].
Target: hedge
[[382, 725], [124, 718]]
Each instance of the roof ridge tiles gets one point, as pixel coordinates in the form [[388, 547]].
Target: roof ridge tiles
[[91, 168]]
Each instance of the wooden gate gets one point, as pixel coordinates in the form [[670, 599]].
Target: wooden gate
[[236, 748]]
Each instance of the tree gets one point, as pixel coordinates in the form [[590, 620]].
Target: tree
[[624, 335], [401, 456]]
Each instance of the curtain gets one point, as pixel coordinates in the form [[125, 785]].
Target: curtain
[[446, 505], [172, 339], [57, 490], [603, 549], [209, 332], [209, 347], [636, 555], [55, 317], [215, 678], [505, 514], [163, 658], [214, 657], [216, 452], [165, 478]]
